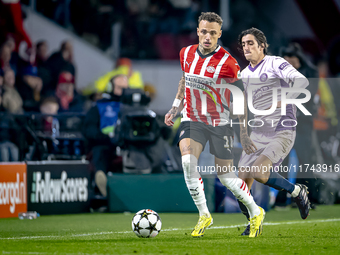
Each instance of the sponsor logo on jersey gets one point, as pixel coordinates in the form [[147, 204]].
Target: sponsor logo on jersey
[[211, 69], [182, 133], [283, 66], [263, 77], [203, 84]]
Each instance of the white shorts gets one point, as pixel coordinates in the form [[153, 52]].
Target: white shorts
[[274, 145]]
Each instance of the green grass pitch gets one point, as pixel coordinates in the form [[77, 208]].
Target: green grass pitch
[[283, 233]]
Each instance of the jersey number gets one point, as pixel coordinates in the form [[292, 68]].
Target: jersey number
[[229, 142]]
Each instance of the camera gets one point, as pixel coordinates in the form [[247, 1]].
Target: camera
[[139, 135], [137, 125]]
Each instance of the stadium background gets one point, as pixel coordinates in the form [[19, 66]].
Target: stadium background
[[150, 34]]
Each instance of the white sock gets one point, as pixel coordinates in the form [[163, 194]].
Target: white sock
[[194, 183], [296, 191], [203, 209], [240, 190]]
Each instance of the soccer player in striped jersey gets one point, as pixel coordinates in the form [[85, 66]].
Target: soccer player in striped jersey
[[273, 138], [206, 68]]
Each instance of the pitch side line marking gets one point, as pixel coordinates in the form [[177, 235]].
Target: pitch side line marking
[[166, 230], [40, 253]]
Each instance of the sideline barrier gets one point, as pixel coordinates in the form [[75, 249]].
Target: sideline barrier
[[63, 187], [159, 192], [13, 189]]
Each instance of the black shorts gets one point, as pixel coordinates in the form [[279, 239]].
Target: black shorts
[[221, 138]]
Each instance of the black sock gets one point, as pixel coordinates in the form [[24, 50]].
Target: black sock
[[276, 181], [244, 209]]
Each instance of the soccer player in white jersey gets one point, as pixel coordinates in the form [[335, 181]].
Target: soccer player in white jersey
[[273, 138], [205, 65]]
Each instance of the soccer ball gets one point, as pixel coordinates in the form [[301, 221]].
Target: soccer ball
[[146, 223]]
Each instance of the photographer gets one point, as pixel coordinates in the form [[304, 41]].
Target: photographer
[[98, 129]]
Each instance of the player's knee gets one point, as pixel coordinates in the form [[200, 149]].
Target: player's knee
[[265, 179], [243, 174], [260, 178]]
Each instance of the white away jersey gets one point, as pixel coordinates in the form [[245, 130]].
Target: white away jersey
[[272, 72]]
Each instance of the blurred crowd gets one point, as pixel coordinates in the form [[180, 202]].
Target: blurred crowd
[[26, 82], [31, 82], [142, 22]]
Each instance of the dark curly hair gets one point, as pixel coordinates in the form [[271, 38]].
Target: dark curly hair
[[259, 37]]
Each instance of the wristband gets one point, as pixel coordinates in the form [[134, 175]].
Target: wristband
[[176, 102]]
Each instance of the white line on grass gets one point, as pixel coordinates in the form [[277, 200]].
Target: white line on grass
[[20, 252], [41, 253], [165, 230]]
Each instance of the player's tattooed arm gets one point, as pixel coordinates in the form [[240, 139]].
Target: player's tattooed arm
[[181, 88], [174, 109], [247, 144], [179, 95]]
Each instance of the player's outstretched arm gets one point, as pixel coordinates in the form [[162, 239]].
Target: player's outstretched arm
[[289, 74], [176, 104], [247, 144]]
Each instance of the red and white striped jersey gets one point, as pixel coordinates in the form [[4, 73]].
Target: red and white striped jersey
[[203, 101]]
